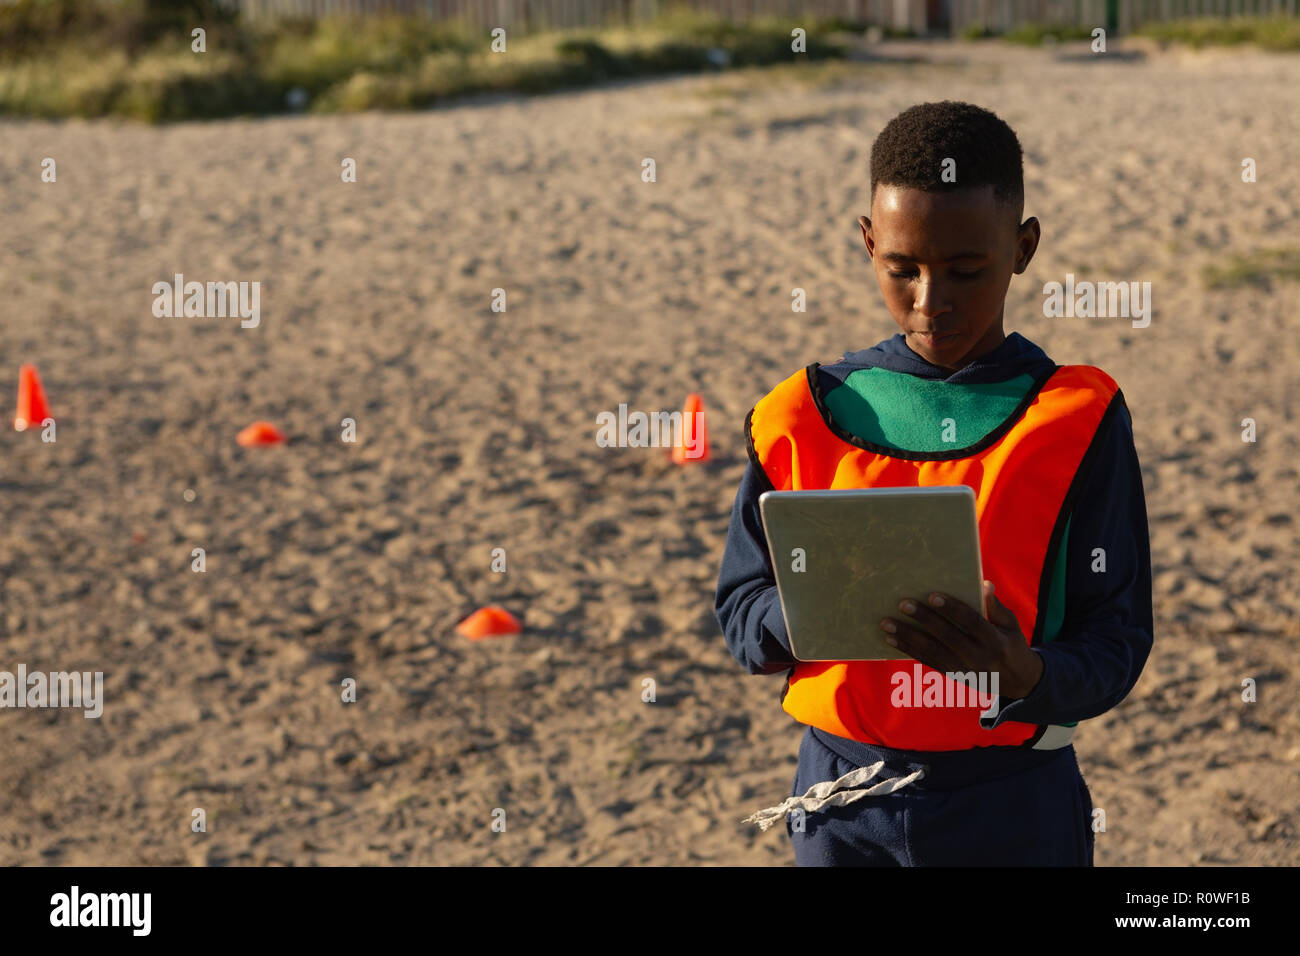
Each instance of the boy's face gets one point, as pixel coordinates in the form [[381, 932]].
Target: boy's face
[[944, 261]]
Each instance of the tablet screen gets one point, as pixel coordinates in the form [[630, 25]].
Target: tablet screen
[[844, 559]]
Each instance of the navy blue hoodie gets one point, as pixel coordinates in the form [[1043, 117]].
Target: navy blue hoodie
[[1107, 632]]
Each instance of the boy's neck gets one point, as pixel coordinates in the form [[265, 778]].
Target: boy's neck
[[992, 339]]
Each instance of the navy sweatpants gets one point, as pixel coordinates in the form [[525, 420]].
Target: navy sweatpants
[[996, 806]]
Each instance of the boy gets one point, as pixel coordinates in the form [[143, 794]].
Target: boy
[[1048, 450]]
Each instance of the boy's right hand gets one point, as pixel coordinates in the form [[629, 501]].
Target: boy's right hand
[[952, 636]]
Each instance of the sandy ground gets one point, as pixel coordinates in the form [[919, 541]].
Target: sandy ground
[[476, 429]]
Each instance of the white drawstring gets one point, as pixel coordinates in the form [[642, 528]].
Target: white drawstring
[[834, 793]]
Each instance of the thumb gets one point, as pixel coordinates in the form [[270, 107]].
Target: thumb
[[998, 613]]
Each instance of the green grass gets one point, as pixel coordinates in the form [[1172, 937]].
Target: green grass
[[1035, 34], [977, 31], [61, 58], [1269, 33], [1258, 269], [1027, 34]]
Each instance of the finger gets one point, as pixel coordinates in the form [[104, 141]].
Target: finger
[[961, 615], [916, 643], [999, 613], [961, 645]]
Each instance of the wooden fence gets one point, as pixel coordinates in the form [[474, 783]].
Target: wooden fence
[[1007, 14], [525, 15], [921, 16]]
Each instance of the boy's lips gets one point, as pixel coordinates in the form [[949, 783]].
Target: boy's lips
[[936, 339]]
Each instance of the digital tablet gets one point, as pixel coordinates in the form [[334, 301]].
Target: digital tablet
[[844, 559]]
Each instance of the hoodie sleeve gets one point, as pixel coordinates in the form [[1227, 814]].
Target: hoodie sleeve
[[1108, 630], [747, 605]]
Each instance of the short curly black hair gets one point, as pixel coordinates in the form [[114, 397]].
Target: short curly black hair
[[911, 149]]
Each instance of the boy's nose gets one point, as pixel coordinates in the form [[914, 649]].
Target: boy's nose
[[928, 301]]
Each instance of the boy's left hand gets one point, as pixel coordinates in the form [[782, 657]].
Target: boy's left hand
[[953, 636]]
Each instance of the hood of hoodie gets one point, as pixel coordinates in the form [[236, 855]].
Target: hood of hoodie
[[868, 395], [1016, 355]]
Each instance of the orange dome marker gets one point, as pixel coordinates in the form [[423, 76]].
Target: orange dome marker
[[260, 433], [32, 408], [692, 442], [488, 622]]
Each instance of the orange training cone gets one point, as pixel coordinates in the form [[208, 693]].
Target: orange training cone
[[693, 440], [260, 433], [488, 622], [32, 409]]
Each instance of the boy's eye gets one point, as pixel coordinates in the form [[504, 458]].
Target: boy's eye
[[956, 272]]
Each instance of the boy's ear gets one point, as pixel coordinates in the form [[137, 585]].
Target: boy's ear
[[1027, 236], [865, 223]]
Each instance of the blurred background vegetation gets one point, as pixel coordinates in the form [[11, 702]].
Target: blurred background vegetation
[[133, 58]]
